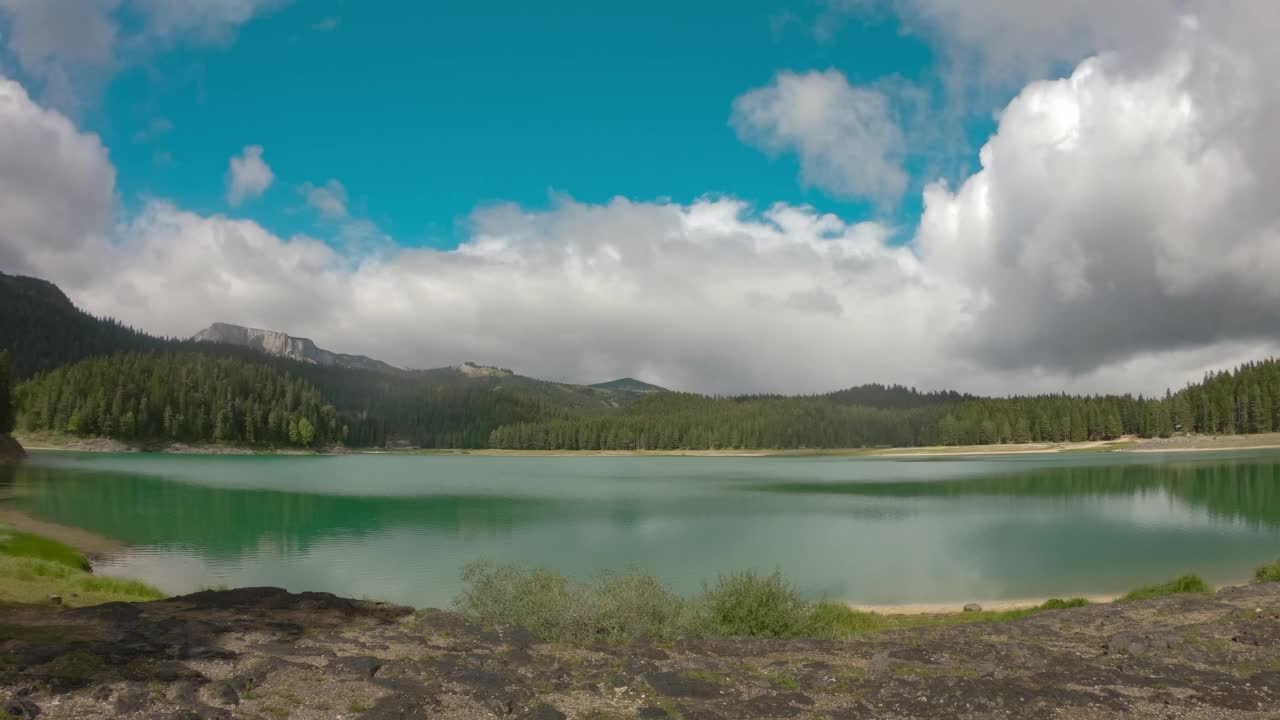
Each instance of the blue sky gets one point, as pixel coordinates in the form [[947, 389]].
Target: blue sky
[[715, 196], [428, 112]]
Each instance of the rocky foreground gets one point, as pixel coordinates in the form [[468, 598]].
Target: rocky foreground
[[266, 653]]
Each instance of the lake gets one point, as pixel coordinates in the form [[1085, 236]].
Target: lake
[[865, 530]]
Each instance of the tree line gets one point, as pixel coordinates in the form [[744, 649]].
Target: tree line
[[233, 396], [184, 397], [1244, 400]]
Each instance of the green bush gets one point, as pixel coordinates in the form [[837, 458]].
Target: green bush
[[750, 604], [1184, 584], [1267, 573], [609, 608]]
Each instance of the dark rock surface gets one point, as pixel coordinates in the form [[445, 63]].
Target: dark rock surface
[[11, 451], [263, 653]]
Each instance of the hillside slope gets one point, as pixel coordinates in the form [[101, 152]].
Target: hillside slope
[[42, 329]]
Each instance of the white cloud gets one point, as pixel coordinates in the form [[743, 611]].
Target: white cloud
[[57, 188], [330, 199], [1121, 234], [326, 24], [1126, 209], [205, 21], [846, 136], [68, 48], [248, 175], [63, 45]]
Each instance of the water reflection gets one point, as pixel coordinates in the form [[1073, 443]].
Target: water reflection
[[868, 531]]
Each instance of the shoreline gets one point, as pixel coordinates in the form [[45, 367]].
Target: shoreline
[[93, 545], [1148, 446]]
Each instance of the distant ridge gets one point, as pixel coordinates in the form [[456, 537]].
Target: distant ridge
[[279, 344], [627, 384]]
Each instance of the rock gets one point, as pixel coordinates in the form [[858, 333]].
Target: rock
[[777, 705], [880, 664], [674, 684], [223, 693], [692, 712], [11, 451], [652, 712], [972, 607], [543, 712], [404, 706], [21, 708], [55, 599], [359, 667]]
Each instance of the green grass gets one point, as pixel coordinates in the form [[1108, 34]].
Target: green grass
[[839, 622], [25, 545], [33, 567], [27, 580], [1267, 573], [621, 608], [1184, 584]]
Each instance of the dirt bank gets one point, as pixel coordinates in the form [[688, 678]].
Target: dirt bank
[[264, 653]]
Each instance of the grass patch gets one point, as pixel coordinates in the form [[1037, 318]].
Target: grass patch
[[1267, 573], [29, 580], [1184, 584], [839, 622], [357, 707], [622, 608], [25, 545]]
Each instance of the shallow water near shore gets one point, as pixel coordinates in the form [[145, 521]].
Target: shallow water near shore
[[861, 530]]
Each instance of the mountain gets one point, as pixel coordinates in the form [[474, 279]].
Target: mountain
[[42, 329], [630, 385], [546, 392], [278, 344]]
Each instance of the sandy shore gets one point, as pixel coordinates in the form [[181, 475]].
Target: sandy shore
[[89, 543], [955, 607]]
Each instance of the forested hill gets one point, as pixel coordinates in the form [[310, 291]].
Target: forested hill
[[41, 328], [94, 376], [1246, 400]]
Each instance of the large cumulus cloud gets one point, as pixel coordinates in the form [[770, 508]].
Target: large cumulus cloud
[[1128, 208], [1120, 234]]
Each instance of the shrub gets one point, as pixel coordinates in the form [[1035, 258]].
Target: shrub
[[613, 608], [1267, 573], [1184, 584], [750, 604]]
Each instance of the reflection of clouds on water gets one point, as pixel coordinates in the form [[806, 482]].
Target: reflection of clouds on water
[[952, 531]]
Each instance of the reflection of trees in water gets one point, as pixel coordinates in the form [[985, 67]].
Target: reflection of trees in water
[[1239, 490], [140, 509]]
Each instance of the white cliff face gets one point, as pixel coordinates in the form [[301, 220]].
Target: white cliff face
[[279, 344]]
